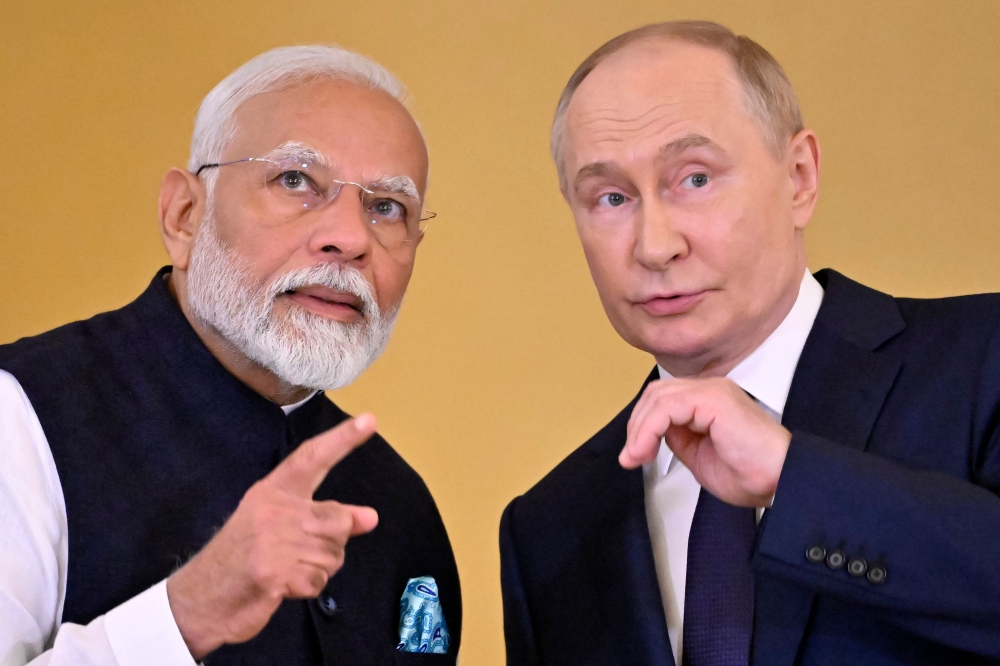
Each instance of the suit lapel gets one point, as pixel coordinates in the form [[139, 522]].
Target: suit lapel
[[840, 384], [626, 575], [621, 561]]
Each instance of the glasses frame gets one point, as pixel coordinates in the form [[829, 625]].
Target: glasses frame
[[425, 215]]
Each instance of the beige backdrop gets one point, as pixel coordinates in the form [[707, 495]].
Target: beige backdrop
[[503, 361]]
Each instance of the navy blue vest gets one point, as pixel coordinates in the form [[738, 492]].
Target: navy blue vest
[[156, 442]]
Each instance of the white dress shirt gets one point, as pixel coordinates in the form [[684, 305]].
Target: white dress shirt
[[671, 491], [33, 561]]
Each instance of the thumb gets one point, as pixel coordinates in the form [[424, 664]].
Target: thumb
[[365, 519]]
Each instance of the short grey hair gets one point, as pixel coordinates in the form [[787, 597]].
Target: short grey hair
[[767, 93], [215, 127]]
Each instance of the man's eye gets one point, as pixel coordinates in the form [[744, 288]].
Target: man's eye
[[697, 180], [388, 209], [613, 199], [293, 180]]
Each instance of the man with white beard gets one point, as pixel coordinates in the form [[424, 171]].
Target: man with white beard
[[176, 487]]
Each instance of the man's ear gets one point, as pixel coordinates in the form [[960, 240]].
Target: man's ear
[[181, 208], [803, 162]]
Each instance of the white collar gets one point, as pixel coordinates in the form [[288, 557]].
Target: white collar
[[288, 409], [767, 372]]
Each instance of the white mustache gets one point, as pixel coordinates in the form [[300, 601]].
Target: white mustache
[[332, 276]]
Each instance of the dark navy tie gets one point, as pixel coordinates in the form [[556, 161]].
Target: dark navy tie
[[718, 597]]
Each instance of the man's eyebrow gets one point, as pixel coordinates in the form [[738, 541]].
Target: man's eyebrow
[[675, 147], [592, 170], [678, 146], [398, 184], [298, 151]]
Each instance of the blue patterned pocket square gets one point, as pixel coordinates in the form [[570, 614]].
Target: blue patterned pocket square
[[421, 622]]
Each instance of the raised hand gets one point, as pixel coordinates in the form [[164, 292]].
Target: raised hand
[[278, 544], [732, 447]]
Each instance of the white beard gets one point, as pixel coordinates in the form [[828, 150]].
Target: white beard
[[301, 348]]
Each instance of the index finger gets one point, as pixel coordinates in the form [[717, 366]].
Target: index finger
[[665, 409], [302, 471]]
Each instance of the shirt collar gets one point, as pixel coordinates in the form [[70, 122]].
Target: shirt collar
[[767, 372], [288, 409]]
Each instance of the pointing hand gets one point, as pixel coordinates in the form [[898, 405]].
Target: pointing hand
[[278, 544]]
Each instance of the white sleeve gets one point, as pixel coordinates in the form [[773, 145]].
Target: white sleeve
[[33, 556]]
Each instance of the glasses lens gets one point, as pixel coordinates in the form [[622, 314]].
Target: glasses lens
[[294, 185], [394, 217]]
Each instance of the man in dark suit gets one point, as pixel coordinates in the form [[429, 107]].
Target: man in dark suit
[[176, 486], [810, 474]]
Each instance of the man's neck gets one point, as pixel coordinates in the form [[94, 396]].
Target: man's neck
[[254, 375]]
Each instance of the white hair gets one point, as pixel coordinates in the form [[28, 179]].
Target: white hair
[[214, 126], [301, 348]]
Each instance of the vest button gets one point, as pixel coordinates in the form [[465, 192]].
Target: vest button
[[327, 604]]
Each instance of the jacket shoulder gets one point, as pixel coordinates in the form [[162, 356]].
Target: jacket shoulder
[[568, 494], [69, 344], [959, 333], [976, 311], [870, 318]]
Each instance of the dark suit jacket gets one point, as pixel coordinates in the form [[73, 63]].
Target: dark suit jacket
[[894, 458]]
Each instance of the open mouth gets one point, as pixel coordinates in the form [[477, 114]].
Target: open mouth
[[326, 301]]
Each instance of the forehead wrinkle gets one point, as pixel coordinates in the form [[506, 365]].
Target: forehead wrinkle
[[600, 115], [700, 91], [659, 127], [657, 124]]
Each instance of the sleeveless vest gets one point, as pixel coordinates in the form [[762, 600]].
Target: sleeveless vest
[[155, 443]]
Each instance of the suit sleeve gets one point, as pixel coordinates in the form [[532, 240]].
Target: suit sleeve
[[936, 538], [518, 633]]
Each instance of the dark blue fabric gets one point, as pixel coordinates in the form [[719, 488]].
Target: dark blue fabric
[[718, 597], [155, 442], [895, 459]]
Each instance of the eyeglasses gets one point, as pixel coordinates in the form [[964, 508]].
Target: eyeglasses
[[290, 187]]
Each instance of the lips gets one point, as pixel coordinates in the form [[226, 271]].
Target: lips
[[661, 305], [327, 302]]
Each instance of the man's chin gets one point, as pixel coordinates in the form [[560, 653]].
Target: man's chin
[[675, 346]]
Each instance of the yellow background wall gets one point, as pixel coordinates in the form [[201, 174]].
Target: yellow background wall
[[503, 361]]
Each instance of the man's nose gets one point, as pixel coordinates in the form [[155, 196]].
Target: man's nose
[[659, 242], [341, 231]]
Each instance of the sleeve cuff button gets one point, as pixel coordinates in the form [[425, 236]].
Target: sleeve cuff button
[[857, 567], [816, 554], [876, 575], [836, 559]]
